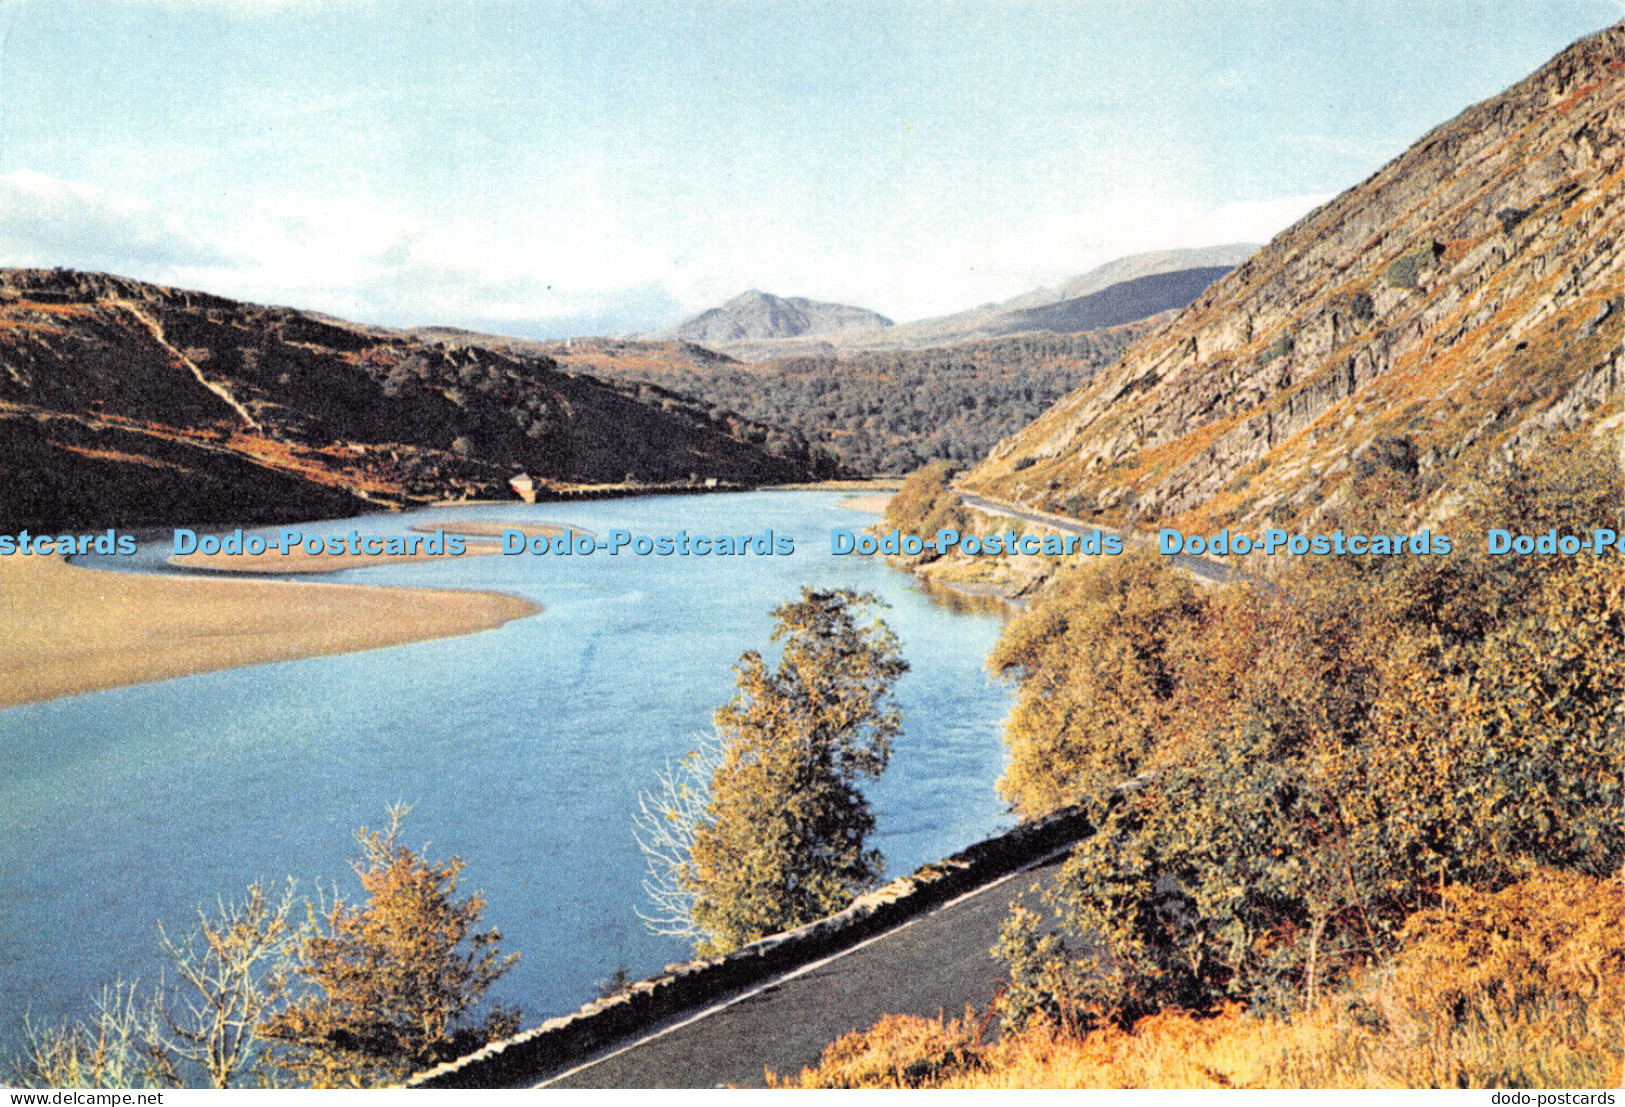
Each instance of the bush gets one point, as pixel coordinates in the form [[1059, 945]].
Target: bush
[[1404, 270], [390, 986], [899, 1051], [1519, 988], [1098, 663], [253, 999], [1511, 217], [1281, 347], [926, 503], [1321, 759]]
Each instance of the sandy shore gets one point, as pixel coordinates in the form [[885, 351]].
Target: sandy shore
[[864, 484], [66, 630]]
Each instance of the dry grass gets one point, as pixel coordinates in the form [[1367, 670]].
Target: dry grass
[[1521, 988]]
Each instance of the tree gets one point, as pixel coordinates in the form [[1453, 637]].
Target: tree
[[391, 985], [114, 1049], [776, 835], [666, 826], [1335, 754], [231, 974], [204, 1026]]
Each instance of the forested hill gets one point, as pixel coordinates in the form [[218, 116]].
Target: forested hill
[[884, 398], [129, 403], [1460, 307], [878, 413]]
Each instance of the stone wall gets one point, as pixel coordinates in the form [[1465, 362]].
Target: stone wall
[[561, 1043]]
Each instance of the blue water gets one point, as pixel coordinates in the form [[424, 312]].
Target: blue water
[[521, 750]]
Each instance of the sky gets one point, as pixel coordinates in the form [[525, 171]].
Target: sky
[[548, 169]]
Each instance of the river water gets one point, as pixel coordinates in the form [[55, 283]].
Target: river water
[[521, 750]]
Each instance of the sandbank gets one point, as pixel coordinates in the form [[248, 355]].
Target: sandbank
[[860, 484], [493, 528], [298, 561], [66, 630], [874, 503]]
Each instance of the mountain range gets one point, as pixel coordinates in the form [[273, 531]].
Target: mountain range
[[1462, 306], [759, 326]]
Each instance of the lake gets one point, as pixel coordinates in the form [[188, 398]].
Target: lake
[[522, 750]]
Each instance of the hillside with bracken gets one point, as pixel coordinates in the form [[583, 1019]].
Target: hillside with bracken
[[129, 403]]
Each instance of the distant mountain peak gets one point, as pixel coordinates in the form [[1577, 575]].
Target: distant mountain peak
[[754, 315], [1134, 267]]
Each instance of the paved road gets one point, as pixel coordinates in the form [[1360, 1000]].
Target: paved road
[[1214, 571], [933, 965]]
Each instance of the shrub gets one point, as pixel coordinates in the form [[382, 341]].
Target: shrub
[[1404, 270], [926, 503], [1511, 217], [1321, 759], [899, 1051], [1098, 664], [1281, 347], [390, 986], [1519, 988], [119, 1047]]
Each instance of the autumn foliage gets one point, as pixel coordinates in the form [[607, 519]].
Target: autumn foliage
[[390, 985], [354, 995], [1289, 773], [767, 829], [1520, 988]]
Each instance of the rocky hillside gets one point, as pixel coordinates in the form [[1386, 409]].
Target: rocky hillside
[[1462, 305], [129, 403]]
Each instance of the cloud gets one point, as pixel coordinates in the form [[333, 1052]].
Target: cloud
[[935, 267], [594, 264], [371, 263], [347, 258], [45, 221]]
